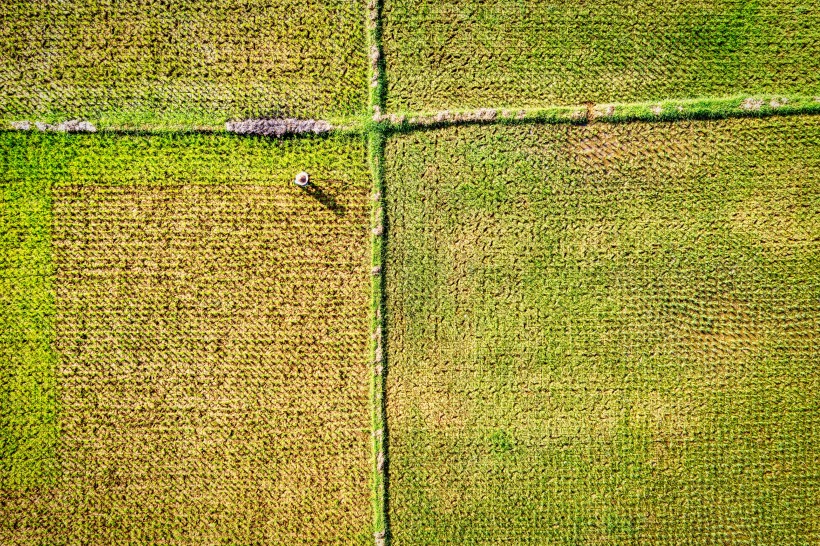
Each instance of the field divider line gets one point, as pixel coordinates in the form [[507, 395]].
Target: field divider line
[[665, 110], [376, 68], [376, 141], [376, 136], [158, 123]]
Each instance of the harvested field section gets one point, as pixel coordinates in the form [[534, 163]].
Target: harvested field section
[[202, 60], [605, 334], [213, 373], [529, 53]]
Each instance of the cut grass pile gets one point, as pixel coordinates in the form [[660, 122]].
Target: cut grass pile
[[210, 328], [181, 63], [604, 334], [531, 53]]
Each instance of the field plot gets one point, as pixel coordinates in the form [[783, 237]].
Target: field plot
[[605, 334], [28, 425], [181, 63], [531, 53], [210, 326]]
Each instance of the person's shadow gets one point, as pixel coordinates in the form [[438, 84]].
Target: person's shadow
[[327, 200]]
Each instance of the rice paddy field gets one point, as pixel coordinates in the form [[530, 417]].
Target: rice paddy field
[[555, 279], [527, 53], [187, 65], [185, 341], [597, 337]]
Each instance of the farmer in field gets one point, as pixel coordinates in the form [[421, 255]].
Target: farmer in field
[[302, 179]]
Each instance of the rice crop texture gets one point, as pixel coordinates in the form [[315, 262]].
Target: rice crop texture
[[604, 334], [197, 59], [531, 53], [209, 323]]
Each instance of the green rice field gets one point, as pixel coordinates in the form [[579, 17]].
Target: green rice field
[[181, 64], [527, 53]]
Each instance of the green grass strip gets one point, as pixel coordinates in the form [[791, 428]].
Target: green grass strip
[[375, 155], [157, 122], [376, 66], [138, 121], [376, 142], [708, 108], [28, 423], [665, 110]]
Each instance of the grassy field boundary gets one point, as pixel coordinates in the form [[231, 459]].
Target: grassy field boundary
[[377, 95], [664, 110], [376, 142], [156, 123], [376, 137]]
